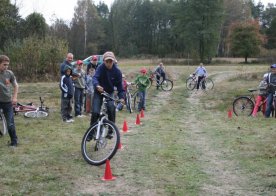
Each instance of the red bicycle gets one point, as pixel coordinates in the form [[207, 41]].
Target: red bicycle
[[31, 111]]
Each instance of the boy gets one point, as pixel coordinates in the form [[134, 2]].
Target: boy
[[89, 89], [7, 98], [142, 81], [67, 89]]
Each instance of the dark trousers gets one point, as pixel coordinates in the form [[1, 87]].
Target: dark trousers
[[78, 99], [8, 112]]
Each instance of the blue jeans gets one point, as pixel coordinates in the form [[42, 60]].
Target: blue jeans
[[96, 108], [8, 112], [268, 105], [142, 103], [78, 99]]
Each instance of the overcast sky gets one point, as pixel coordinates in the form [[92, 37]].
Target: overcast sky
[[64, 9]]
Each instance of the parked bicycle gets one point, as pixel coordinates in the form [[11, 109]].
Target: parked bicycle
[[165, 85], [244, 105], [101, 140], [3, 124], [205, 84], [31, 111]]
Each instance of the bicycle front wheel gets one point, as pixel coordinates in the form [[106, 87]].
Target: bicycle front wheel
[[97, 151], [136, 101], [3, 125], [207, 84], [243, 106], [190, 83], [167, 85], [128, 102], [36, 114]]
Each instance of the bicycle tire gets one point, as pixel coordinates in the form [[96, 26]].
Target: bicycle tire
[[206, 84], [136, 101], [36, 114], [128, 102], [243, 106], [190, 83], [96, 152], [167, 85], [3, 125]]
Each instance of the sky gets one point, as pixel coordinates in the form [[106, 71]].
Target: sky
[[62, 9], [51, 9]]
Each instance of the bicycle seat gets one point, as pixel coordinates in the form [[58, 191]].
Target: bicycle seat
[[252, 90]]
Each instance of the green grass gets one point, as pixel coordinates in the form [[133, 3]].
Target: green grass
[[182, 139]]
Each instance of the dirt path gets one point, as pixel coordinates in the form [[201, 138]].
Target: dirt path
[[223, 173]]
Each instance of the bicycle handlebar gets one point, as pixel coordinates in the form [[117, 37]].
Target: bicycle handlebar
[[108, 96]]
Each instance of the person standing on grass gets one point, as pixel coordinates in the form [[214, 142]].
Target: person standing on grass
[[261, 96], [93, 63], [79, 83], [89, 89], [67, 92], [67, 61], [142, 81], [160, 72], [107, 76], [271, 81], [201, 73], [7, 98]]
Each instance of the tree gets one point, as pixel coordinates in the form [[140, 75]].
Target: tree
[[35, 25], [271, 35], [245, 39], [198, 23], [9, 20]]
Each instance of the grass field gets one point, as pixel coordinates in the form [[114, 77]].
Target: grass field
[[186, 144]]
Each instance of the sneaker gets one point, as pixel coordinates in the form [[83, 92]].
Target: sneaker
[[13, 144], [80, 116], [68, 120]]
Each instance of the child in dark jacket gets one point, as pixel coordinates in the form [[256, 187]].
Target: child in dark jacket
[[67, 92]]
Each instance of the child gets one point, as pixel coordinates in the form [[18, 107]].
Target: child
[[67, 89], [89, 89], [142, 81], [261, 97]]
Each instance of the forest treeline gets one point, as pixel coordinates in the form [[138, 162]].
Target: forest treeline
[[197, 30]]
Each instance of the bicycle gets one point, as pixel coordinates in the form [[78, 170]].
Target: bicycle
[[244, 105], [205, 84], [166, 84], [3, 124], [101, 140], [129, 97], [31, 111]]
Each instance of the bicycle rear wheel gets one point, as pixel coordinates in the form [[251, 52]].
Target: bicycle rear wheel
[[36, 114], [3, 125], [190, 83], [207, 84], [97, 151], [243, 106], [167, 85]]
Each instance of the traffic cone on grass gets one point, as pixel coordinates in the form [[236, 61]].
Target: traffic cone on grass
[[137, 120], [125, 128], [120, 146], [108, 173], [142, 114], [229, 113]]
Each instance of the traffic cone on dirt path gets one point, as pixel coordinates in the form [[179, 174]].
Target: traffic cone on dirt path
[[108, 173], [120, 146], [229, 113], [137, 120], [125, 128], [142, 114]]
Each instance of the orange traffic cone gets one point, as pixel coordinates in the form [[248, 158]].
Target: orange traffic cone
[[120, 146], [108, 172], [137, 120], [142, 114], [229, 113], [125, 128]]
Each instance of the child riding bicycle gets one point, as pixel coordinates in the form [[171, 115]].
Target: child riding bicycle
[[201, 72]]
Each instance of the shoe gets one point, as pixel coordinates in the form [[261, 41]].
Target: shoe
[[80, 116], [13, 144], [68, 120]]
